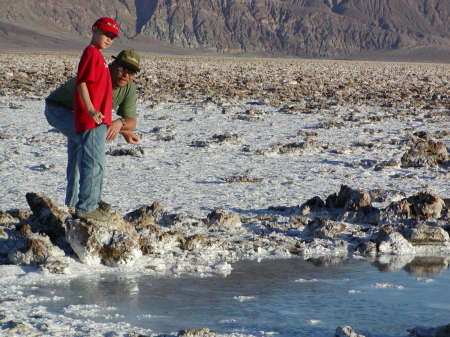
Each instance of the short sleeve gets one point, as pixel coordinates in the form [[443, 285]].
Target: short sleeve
[[127, 107], [86, 68]]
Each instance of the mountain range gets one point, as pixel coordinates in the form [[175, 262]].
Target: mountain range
[[416, 29]]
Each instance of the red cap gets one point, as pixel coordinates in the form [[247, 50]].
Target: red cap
[[107, 25]]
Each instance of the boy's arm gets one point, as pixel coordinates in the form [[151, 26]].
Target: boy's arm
[[86, 98]]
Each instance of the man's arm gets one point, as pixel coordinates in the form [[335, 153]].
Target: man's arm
[[127, 130], [126, 123], [124, 126]]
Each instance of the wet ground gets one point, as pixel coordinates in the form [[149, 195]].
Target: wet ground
[[279, 297]]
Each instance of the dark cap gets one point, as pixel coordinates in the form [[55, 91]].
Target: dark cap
[[129, 58]]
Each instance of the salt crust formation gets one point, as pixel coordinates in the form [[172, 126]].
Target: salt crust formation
[[410, 232], [345, 225], [295, 86]]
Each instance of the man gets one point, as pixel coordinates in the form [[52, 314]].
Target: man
[[59, 114]]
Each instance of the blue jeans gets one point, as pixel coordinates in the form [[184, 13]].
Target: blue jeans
[[92, 167], [85, 159], [61, 118]]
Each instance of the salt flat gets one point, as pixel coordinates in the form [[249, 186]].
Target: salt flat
[[246, 135]]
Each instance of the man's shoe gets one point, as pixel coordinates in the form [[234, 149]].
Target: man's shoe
[[104, 206], [95, 215]]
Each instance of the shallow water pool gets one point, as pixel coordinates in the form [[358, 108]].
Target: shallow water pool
[[277, 297]]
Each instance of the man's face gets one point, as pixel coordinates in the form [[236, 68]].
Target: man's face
[[121, 75]]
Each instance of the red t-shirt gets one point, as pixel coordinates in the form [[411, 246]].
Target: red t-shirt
[[93, 70]]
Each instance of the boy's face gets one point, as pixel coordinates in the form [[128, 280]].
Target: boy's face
[[101, 39]]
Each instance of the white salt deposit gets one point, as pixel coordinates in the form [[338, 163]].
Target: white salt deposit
[[192, 180], [387, 285]]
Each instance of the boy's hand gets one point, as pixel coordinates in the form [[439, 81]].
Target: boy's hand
[[96, 115]]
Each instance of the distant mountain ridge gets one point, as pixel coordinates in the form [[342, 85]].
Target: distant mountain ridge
[[307, 28]]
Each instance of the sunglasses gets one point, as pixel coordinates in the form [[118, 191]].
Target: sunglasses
[[110, 35], [124, 69]]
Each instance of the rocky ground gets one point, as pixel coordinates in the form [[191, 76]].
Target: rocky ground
[[327, 231], [295, 86], [383, 225]]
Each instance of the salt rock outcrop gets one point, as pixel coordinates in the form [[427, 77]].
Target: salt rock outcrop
[[38, 250], [11, 240], [145, 216], [425, 153], [395, 244], [325, 228], [113, 243], [346, 331], [205, 332], [424, 234], [312, 205], [223, 219], [422, 206], [349, 199], [442, 331], [47, 217]]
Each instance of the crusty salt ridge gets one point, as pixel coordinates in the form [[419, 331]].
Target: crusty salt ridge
[[292, 137]]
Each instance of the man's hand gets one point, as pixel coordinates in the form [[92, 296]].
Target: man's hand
[[130, 137], [113, 130]]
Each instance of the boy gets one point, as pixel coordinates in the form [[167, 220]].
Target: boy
[[58, 111], [93, 113]]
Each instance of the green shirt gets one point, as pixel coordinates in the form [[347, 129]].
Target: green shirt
[[124, 99]]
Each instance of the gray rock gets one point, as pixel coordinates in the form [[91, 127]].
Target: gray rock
[[223, 219], [299, 148], [325, 228], [425, 153], [135, 151], [194, 242], [349, 199], [205, 332], [145, 216], [113, 243], [39, 251], [367, 248], [346, 331], [383, 195], [395, 244], [47, 217], [427, 205], [422, 206], [11, 240], [427, 235], [312, 205], [442, 331]]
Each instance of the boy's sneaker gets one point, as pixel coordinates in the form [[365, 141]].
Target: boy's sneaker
[[96, 215], [104, 206]]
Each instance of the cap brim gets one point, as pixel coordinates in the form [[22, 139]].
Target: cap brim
[[126, 64]]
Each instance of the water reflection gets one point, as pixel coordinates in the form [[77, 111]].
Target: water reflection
[[326, 261], [392, 263], [414, 265], [312, 299], [427, 266]]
